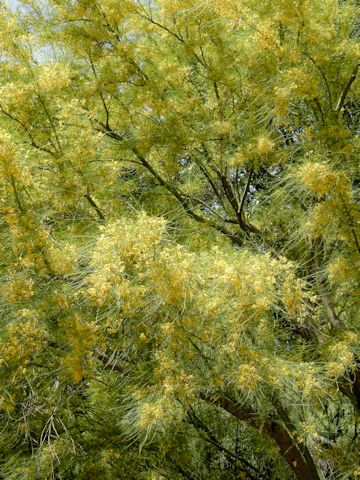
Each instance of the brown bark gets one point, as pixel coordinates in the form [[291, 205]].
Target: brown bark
[[344, 93], [300, 461], [298, 458]]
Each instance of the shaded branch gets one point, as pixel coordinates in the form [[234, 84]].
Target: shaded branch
[[322, 73], [184, 201], [182, 198], [231, 197], [242, 203], [297, 460], [47, 113], [210, 438], [16, 195], [108, 362], [166, 29], [107, 113], [208, 177], [27, 131], [95, 206], [344, 93]]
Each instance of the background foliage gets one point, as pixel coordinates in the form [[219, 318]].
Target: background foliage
[[179, 240]]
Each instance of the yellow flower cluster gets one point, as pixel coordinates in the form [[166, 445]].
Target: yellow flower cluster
[[16, 96], [303, 82], [293, 295], [282, 99], [62, 258], [23, 339], [123, 248], [8, 157], [341, 359], [55, 76], [247, 378], [36, 250], [356, 472], [306, 380], [344, 269], [265, 145], [82, 338], [150, 413], [18, 289], [171, 275], [321, 180]]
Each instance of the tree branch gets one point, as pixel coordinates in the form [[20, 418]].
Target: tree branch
[[242, 203], [16, 194], [95, 206], [27, 131], [295, 458], [344, 93], [108, 362], [107, 113], [210, 438], [322, 73], [230, 195], [184, 201]]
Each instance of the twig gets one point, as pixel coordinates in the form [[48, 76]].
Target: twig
[[95, 206]]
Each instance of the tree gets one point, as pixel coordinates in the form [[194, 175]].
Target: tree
[[180, 239]]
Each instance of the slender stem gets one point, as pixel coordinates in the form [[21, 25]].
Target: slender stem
[[95, 206], [16, 194], [322, 73], [344, 93]]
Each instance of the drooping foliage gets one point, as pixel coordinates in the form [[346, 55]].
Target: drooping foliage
[[179, 239]]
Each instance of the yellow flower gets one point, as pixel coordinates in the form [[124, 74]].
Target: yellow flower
[[247, 377], [320, 179], [54, 76]]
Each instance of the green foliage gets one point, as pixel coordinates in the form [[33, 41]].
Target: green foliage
[[179, 260]]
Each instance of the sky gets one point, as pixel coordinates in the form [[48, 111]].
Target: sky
[[11, 3]]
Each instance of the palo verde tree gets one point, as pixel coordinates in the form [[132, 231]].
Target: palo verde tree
[[179, 239]]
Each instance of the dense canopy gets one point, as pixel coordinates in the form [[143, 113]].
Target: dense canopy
[[179, 256]]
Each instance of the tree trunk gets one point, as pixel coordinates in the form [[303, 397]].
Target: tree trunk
[[300, 461], [298, 458]]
